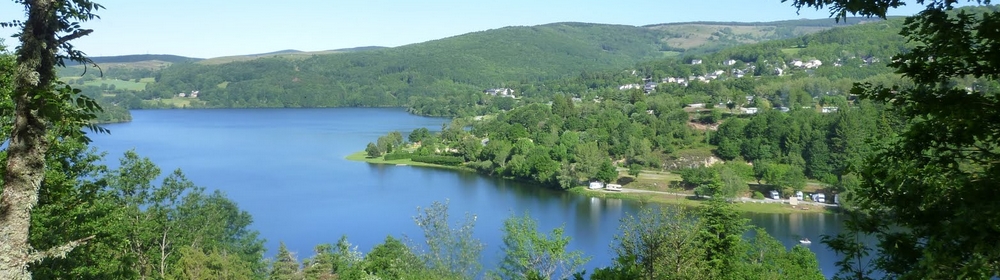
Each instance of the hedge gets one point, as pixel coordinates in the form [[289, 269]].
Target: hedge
[[395, 156], [442, 160]]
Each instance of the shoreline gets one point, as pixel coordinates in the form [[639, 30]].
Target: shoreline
[[666, 199]]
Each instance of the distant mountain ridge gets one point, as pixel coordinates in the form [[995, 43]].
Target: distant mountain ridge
[[143, 57]]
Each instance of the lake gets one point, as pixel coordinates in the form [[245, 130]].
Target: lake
[[286, 167]]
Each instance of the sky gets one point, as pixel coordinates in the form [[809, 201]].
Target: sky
[[213, 28]]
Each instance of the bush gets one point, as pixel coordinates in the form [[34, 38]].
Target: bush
[[442, 160], [398, 155], [757, 195]]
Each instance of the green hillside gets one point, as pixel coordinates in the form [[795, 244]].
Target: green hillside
[[425, 72]]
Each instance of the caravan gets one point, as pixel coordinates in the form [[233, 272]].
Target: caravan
[[819, 197]]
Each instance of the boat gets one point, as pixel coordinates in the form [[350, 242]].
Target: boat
[[805, 241]]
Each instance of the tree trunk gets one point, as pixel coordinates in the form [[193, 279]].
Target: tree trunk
[[28, 144]]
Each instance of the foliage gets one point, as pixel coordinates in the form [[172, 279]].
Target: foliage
[[43, 107], [442, 77], [678, 243], [935, 180], [451, 253], [531, 254], [285, 266]]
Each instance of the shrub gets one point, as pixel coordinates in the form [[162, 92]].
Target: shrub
[[757, 195]]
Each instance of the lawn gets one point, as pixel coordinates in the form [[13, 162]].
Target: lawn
[[362, 156]]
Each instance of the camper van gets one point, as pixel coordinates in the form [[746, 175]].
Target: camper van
[[775, 194], [818, 197], [798, 195]]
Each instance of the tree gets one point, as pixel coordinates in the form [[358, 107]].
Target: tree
[[732, 184], [937, 179], [372, 150], [658, 243], [285, 266], [39, 100], [451, 253], [392, 260], [419, 135], [607, 172], [634, 169], [529, 254]]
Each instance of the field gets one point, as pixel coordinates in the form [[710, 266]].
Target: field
[[173, 102], [119, 84]]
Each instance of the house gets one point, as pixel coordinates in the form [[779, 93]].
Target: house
[[182, 94], [194, 94], [629, 86], [719, 72], [649, 87], [502, 92], [697, 105], [749, 110], [670, 80], [797, 63], [695, 61], [815, 63], [730, 62], [596, 185], [778, 71], [828, 109]]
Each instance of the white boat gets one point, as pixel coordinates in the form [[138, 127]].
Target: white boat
[[805, 241]]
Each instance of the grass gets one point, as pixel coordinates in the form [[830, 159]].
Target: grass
[[362, 156], [119, 84], [791, 51], [767, 208], [175, 102]]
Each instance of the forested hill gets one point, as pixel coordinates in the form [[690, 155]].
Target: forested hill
[[389, 77], [395, 76]]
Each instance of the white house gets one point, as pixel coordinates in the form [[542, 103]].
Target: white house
[[749, 110], [629, 86], [695, 61], [828, 109], [502, 92], [730, 62]]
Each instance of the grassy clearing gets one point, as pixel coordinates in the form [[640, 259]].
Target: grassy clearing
[[173, 102], [671, 54], [119, 84], [791, 51], [362, 156]]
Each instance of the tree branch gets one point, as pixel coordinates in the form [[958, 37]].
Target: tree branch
[[59, 251], [76, 34]]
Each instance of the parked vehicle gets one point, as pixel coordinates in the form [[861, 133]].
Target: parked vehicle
[[775, 194], [819, 197]]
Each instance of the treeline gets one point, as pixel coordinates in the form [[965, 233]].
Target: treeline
[[713, 242]]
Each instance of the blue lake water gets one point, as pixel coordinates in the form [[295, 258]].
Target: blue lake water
[[286, 167]]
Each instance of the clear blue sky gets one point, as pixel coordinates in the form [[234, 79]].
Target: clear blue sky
[[211, 28]]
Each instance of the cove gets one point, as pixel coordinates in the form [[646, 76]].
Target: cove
[[286, 167]]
